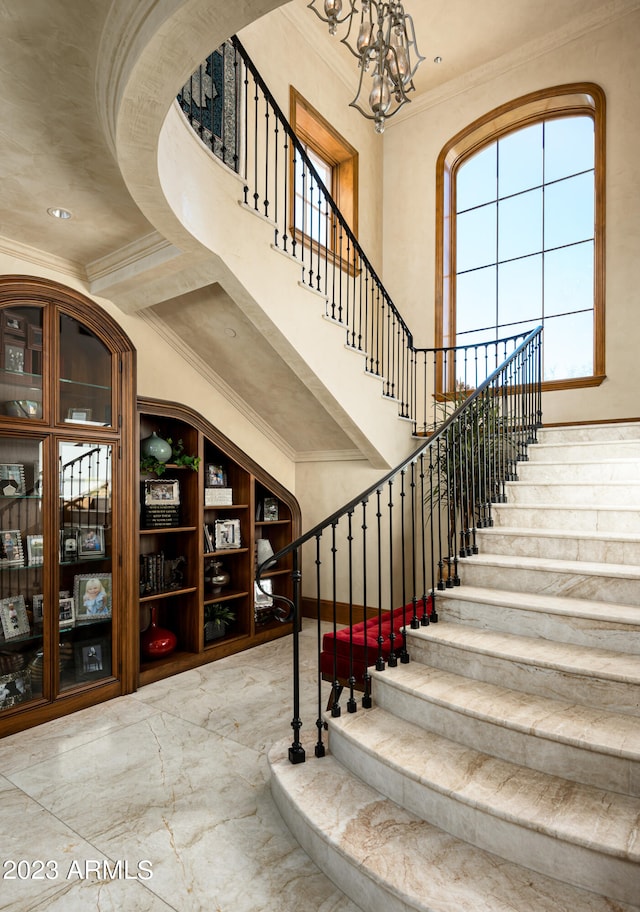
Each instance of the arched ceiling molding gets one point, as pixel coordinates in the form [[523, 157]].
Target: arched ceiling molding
[[148, 50]]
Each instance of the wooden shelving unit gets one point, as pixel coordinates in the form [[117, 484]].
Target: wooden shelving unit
[[183, 610]]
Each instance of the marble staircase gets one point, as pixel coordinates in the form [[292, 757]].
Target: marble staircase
[[500, 769]]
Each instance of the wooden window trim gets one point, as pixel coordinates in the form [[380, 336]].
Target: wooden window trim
[[313, 130], [557, 101]]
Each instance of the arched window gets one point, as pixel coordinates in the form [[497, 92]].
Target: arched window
[[520, 238]]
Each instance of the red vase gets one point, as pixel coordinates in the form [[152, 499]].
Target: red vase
[[156, 642]]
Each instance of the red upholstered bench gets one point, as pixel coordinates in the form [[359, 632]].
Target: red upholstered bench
[[365, 631]]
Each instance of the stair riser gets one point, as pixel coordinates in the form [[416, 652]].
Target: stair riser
[[611, 695], [584, 452], [510, 839], [328, 854], [603, 432], [599, 634], [498, 738], [585, 473], [585, 520], [614, 495], [618, 591], [594, 550]]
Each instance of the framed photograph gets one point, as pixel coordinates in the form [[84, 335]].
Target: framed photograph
[[226, 534], [36, 605], [93, 595], [15, 688], [92, 659], [263, 594], [270, 509], [14, 357], [34, 337], [35, 550], [13, 324], [79, 414], [161, 492], [68, 545], [215, 476], [12, 479], [90, 542], [11, 548], [66, 613], [13, 614]]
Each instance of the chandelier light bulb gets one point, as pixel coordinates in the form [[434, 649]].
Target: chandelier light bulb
[[365, 35], [398, 61], [380, 95], [332, 9]]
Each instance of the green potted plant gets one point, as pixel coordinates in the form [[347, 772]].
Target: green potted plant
[[150, 464], [217, 618]]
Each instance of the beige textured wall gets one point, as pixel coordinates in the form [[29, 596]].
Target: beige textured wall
[[609, 57]]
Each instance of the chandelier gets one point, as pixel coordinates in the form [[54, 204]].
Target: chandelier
[[384, 45]]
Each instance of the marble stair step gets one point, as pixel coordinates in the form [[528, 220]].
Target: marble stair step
[[559, 544], [618, 431], [615, 583], [588, 451], [603, 471], [558, 737], [569, 494], [387, 859], [581, 622], [585, 517], [596, 677], [557, 827]]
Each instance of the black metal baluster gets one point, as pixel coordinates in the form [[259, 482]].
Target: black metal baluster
[[392, 661], [366, 699], [335, 709], [352, 706], [380, 664], [319, 749], [404, 655]]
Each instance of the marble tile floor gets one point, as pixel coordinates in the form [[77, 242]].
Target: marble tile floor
[[161, 800]]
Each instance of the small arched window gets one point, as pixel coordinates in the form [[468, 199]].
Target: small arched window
[[521, 231]]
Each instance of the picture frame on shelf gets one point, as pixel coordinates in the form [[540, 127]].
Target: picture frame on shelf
[[270, 509], [161, 492], [68, 545], [66, 613], [215, 476], [79, 414], [14, 357], [218, 497], [90, 542], [13, 325], [92, 659], [12, 482], [13, 614], [208, 539], [35, 550], [226, 534], [93, 597], [263, 594], [37, 605], [15, 688], [11, 548]]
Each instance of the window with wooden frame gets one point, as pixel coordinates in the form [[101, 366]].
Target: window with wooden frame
[[336, 162], [520, 231]]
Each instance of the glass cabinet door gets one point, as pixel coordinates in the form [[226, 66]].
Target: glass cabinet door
[[22, 572], [86, 585], [85, 382], [21, 362]]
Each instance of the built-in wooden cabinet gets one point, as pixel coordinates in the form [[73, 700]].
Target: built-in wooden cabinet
[[66, 472], [228, 508], [84, 562]]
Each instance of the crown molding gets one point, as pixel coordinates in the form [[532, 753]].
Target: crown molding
[[110, 269], [332, 456], [42, 259]]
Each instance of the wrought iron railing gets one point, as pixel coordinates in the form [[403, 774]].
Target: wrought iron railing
[[233, 112], [397, 544]]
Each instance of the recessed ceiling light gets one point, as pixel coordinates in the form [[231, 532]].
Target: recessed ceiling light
[[230, 332], [59, 213], [437, 59]]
